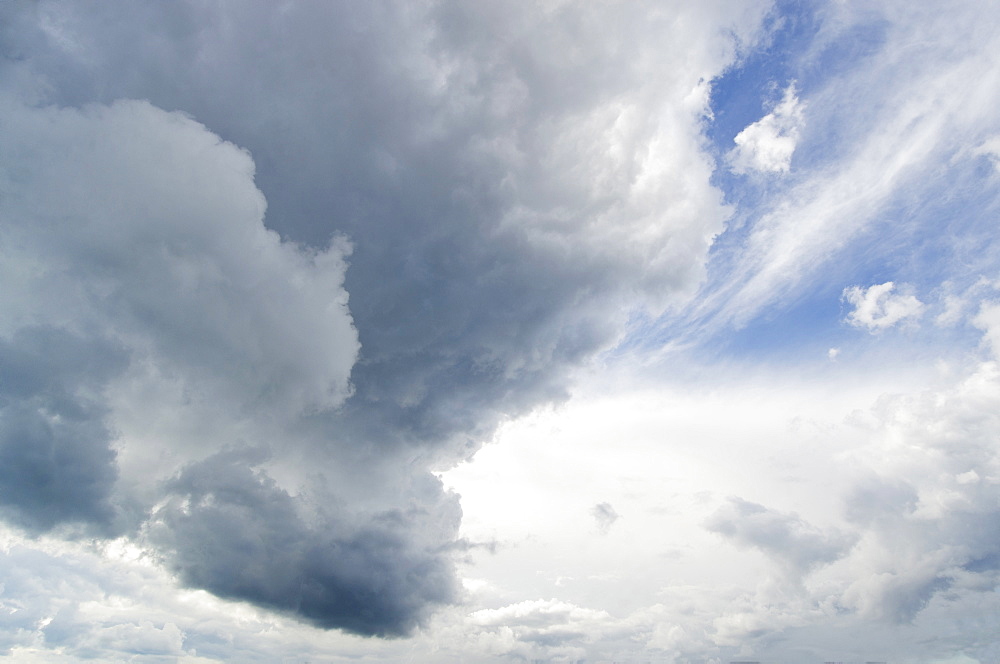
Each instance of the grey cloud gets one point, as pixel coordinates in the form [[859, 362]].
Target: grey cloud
[[507, 184], [878, 499], [486, 261], [540, 630], [157, 233], [797, 545], [554, 637], [150, 273], [230, 529], [929, 516], [905, 595], [56, 462]]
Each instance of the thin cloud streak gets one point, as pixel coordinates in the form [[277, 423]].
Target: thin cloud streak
[[927, 98]]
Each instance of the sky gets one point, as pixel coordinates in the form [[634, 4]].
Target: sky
[[461, 332]]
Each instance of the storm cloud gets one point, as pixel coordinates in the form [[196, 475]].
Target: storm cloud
[[497, 212], [57, 465]]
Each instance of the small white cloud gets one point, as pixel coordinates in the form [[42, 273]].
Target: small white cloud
[[833, 353], [877, 308], [988, 320], [954, 308], [605, 515], [970, 477], [991, 149], [767, 145]]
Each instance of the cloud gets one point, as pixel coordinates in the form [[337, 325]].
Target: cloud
[[497, 204], [151, 273], [230, 529], [877, 308], [988, 320], [925, 512], [532, 629], [605, 516], [991, 149], [768, 144], [510, 203], [57, 463], [251, 312], [156, 238], [909, 114], [795, 544]]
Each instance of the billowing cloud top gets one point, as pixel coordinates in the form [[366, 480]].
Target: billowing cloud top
[[190, 373], [767, 145]]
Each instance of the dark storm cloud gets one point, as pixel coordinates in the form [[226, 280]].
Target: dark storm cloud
[[230, 530], [56, 463], [795, 544], [440, 139], [150, 319], [511, 183]]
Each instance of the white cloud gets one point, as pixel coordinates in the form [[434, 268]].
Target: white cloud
[[538, 629], [768, 144], [863, 522], [990, 148], [877, 308], [988, 320], [924, 97], [954, 310], [142, 231]]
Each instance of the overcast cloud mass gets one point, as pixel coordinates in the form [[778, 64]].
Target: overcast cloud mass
[[470, 332]]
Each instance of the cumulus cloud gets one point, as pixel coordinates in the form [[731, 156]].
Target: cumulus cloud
[[877, 308], [509, 202], [497, 207], [768, 144], [925, 512], [795, 544], [230, 529], [149, 272], [134, 254]]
